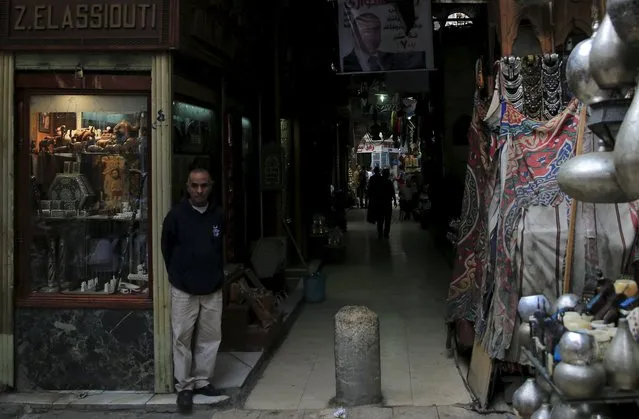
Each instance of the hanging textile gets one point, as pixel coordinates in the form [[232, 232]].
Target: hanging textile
[[534, 152], [472, 231]]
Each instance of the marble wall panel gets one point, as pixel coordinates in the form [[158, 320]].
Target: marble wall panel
[[72, 349]]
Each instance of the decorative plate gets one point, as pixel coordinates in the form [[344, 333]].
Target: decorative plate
[[72, 187]]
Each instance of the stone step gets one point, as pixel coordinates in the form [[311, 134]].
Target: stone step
[[101, 400]]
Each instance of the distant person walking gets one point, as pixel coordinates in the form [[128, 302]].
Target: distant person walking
[[362, 186], [382, 196], [192, 238]]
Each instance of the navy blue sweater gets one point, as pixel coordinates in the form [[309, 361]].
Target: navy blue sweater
[[192, 244]]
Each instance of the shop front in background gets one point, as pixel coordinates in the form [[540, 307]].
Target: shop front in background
[[88, 114]]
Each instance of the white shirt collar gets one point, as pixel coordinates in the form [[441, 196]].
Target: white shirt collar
[[202, 209]]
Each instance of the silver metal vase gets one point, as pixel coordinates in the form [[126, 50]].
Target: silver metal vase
[[626, 152], [566, 411], [613, 63], [543, 412], [579, 381], [621, 360], [528, 398], [591, 177], [624, 15], [580, 80]]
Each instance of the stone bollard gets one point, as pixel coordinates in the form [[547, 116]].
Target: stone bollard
[[357, 357]]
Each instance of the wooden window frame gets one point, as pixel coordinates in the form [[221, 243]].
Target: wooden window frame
[[30, 84]]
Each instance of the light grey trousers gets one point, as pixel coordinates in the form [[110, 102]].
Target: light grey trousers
[[196, 321]]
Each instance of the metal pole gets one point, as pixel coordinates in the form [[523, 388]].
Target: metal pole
[[338, 178], [259, 159]]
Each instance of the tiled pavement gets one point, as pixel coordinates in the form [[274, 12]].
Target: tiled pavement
[[433, 412], [405, 280]]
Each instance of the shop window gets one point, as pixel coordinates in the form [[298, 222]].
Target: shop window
[[88, 165], [194, 135]]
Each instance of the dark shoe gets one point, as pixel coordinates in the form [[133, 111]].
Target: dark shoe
[[185, 401], [208, 391]]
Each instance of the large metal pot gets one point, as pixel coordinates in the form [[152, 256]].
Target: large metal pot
[[577, 348], [580, 411], [579, 381], [565, 302]]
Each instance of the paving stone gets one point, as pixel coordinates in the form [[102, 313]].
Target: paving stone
[[453, 412], [29, 399], [320, 414], [369, 412], [237, 414], [285, 414], [412, 412]]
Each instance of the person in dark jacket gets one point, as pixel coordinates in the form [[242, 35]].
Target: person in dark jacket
[[382, 192], [192, 243]]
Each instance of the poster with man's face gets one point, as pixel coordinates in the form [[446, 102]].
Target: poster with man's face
[[385, 35]]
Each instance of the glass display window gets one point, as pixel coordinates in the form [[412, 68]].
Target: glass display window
[[88, 176], [193, 129], [194, 136]]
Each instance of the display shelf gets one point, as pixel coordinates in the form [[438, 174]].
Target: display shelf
[[94, 218], [68, 155], [606, 396], [107, 301]]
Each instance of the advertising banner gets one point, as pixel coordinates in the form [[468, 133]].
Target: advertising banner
[[385, 35]]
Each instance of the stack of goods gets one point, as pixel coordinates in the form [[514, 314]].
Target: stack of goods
[[251, 318], [585, 351], [411, 163], [319, 226], [124, 137]]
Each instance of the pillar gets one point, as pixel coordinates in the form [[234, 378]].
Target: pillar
[[357, 357], [161, 159], [6, 219]]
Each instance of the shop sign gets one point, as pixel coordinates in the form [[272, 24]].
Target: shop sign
[[42, 24]]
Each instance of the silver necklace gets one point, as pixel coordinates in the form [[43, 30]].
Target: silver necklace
[[551, 65]]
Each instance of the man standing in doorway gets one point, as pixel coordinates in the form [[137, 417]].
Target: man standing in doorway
[[192, 243]]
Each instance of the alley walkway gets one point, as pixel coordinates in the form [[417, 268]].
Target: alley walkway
[[404, 280]]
